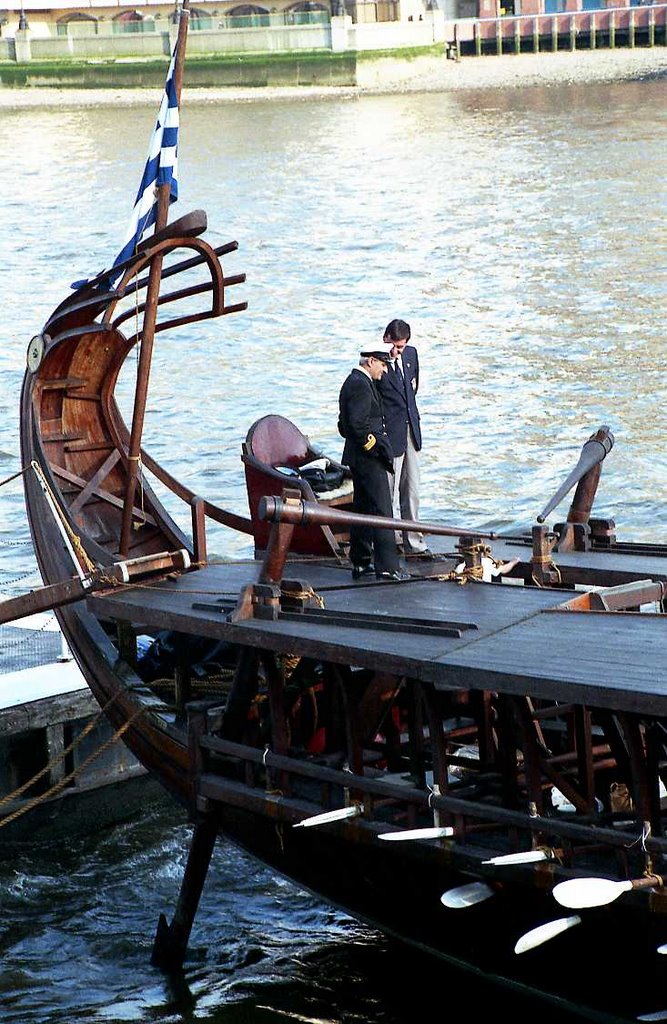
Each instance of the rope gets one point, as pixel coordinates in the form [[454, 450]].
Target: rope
[[22, 576], [305, 595], [137, 458], [61, 783], [74, 537], [24, 639], [61, 756], [210, 683], [9, 479], [288, 664], [469, 572], [15, 543], [140, 523], [87, 729], [549, 564], [472, 572]]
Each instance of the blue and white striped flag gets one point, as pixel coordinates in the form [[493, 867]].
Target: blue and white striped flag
[[161, 169]]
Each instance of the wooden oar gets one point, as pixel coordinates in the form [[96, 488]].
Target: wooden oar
[[597, 892], [328, 816], [55, 595], [544, 932], [433, 832], [466, 895], [526, 857]]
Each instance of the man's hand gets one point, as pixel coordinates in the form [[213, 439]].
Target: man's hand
[[385, 453]]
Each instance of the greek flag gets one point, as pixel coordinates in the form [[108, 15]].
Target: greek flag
[[161, 169]]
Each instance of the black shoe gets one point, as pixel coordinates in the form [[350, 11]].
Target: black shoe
[[359, 571], [397, 576]]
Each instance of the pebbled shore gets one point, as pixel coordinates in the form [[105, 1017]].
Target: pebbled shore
[[387, 75]]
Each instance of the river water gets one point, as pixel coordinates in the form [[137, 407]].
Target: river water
[[521, 233]]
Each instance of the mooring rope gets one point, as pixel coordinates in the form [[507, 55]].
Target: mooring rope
[[61, 783], [74, 538], [60, 756], [30, 635], [14, 476], [15, 543]]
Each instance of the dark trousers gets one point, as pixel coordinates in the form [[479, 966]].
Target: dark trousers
[[373, 498]]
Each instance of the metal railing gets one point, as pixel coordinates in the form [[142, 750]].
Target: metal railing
[[610, 27], [80, 28]]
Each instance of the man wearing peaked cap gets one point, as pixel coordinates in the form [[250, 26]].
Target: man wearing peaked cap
[[383, 356], [369, 455]]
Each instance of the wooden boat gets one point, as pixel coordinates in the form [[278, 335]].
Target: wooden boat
[[454, 761]]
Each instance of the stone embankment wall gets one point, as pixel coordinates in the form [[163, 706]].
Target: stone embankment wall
[[383, 76]]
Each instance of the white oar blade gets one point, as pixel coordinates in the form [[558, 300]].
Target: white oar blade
[[658, 1015], [527, 857], [662, 949], [588, 892], [325, 819], [417, 833], [466, 895], [545, 932]]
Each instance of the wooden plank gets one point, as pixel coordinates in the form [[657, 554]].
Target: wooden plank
[[51, 438], [111, 499], [94, 482], [61, 383], [85, 445], [609, 660], [603, 659], [39, 714]]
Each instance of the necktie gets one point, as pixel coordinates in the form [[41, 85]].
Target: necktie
[[399, 367]]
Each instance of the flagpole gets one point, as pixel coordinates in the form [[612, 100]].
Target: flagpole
[[150, 318]]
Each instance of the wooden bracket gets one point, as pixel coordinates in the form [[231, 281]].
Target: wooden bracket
[[603, 532], [572, 537], [544, 571]]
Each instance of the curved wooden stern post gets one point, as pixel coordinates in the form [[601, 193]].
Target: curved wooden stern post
[[150, 316]]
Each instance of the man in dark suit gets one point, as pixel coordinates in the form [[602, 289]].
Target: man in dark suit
[[368, 453], [399, 388]]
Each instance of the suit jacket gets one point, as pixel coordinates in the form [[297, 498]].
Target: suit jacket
[[360, 415], [400, 403]]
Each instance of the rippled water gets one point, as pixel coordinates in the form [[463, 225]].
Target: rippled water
[[522, 236], [78, 924]]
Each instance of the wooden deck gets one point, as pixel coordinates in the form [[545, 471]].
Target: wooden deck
[[509, 639]]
